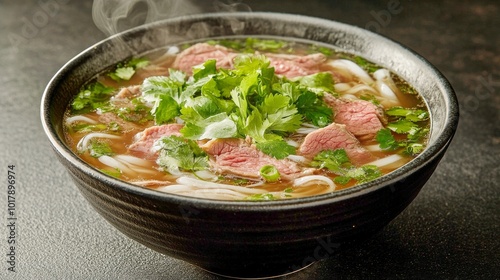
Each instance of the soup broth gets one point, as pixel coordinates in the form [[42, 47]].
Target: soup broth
[[247, 119]]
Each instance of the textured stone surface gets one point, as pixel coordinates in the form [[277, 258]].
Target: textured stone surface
[[450, 231]]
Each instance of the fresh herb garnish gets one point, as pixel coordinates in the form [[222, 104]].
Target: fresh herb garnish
[[86, 127], [324, 50], [113, 173], [250, 45], [180, 154], [261, 196], [125, 71], [370, 97], [413, 115], [249, 100], [365, 64], [99, 148], [92, 97], [338, 163], [407, 122], [269, 173], [138, 112]]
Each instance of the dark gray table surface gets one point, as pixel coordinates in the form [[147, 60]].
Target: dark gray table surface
[[450, 231]]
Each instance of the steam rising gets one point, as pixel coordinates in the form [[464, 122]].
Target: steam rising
[[114, 16]]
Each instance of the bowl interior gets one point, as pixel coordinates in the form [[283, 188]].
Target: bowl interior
[[427, 80]]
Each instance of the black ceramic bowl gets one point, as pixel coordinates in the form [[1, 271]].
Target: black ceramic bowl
[[249, 239]]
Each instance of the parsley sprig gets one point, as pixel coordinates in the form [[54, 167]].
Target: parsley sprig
[[180, 154], [92, 97], [125, 71], [249, 100], [339, 163], [408, 124]]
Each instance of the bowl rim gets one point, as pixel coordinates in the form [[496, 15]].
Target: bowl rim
[[430, 152]]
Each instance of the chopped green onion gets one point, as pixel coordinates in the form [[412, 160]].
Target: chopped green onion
[[261, 196], [270, 173]]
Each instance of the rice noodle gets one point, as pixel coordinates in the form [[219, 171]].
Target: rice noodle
[[111, 162], [133, 160], [349, 97], [206, 185], [83, 143], [151, 183], [381, 74], [373, 148], [384, 76], [386, 91], [176, 188], [303, 181], [309, 125], [352, 68], [358, 88], [340, 87], [205, 175], [137, 168], [306, 130], [296, 158], [292, 143], [217, 194], [80, 118], [386, 161]]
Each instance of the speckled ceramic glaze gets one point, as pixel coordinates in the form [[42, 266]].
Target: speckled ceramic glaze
[[252, 239]]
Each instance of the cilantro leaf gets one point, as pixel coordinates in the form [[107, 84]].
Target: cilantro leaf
[[403, 126], [386, 140], [339, 163], [155, 86], [165, 109], [86, 127], [180, 154], [313, 109], [138, 62], [98, 148], [204, 70], [261, 196], [334, 160], [365, 173], [281, 115], [92, 97], [318, 83], [324, 50], [125, 71], [410, 145], [113, 173], [216, 126], [413, 115], [167, 95], [365, 64], [279, 149]]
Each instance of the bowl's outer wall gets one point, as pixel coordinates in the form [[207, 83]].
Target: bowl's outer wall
[[249, 243], [251, 239]]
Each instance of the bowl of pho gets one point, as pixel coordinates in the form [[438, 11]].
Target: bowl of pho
[[249, 144]]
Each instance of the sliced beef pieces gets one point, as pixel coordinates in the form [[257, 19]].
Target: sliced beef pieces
[[199, 53], [111, 118], [123, 99], [332, 137], [285, 65], [240, 157], [143, 147], [362, 118], [129, 92], [292, 66]]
